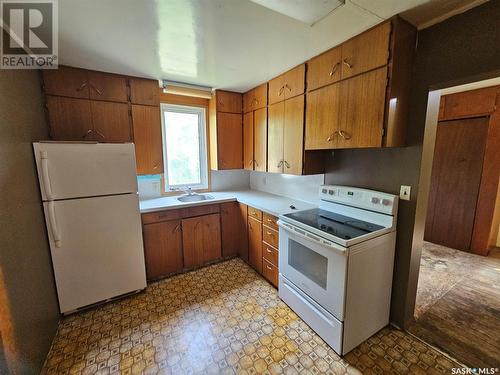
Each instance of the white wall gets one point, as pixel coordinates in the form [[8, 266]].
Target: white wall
[[230, 180], [305, 188]]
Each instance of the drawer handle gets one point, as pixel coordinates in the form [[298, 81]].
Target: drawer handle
[[270, 220], [269, 251], [177, 227], [96, 89], [270, 234], [334, 69], [269, 267], [82, 86], [346, 63], [288, 87]]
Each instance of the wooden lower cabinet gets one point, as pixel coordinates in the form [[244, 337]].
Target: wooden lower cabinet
[[255, 243], [230, 220], [270, 272], [243, 237], [201, 239], [163, 248]]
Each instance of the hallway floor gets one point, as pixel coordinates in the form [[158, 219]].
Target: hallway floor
[[222, 319], [458, 305]]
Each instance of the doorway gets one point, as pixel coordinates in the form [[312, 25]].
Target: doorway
[[457, 306]]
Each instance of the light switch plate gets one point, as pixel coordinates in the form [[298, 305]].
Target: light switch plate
[[404, 192]]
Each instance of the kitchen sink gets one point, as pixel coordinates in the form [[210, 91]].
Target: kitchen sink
[[195, 198]]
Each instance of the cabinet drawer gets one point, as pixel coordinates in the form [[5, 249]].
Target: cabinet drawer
[[105, 86], [154, 217], [270, 220], [270, 254], [144, 91], [270, 272], [270, 236], [200, 210], [231, 102], [66, 81], [255, 213]]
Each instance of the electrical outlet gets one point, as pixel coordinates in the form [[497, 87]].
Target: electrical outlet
[[404, 193]]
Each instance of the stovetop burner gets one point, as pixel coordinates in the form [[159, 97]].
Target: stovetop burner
[[337, 225]]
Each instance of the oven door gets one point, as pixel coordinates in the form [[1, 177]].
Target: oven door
[[316, 269]]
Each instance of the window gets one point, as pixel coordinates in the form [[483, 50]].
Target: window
[[184, 147]]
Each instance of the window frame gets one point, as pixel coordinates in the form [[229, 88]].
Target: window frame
[[203, 145]]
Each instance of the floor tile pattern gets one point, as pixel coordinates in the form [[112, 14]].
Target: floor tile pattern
[[222, 319]]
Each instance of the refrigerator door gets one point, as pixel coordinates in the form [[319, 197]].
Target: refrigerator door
[[96, 247], [74, 170]]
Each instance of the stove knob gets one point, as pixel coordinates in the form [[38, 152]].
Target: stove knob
[[375, 200], [386, 202], [324, 191]]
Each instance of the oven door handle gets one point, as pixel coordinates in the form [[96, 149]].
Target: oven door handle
[[303, 234]]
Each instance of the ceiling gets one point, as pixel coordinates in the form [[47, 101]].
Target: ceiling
[[230, 44]]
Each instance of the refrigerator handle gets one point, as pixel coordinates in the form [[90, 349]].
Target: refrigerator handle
[[45, 175], [53, 224]]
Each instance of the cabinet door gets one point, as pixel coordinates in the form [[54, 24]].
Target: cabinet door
[[255, 244], [243, 231], [293, 140], [324, 69], [231, 102], [275, 137], [163, 248], [192, 241], [111, 121], [362, 104], [270, 272], [144, 91], [230, 219], [70, 119], [294, 81], [211, 238], [276, 89], [66, 81], [322, 117], [260, 139], [105, 86], [260, 96], [229, 140], [248, 100], [147, 138], [366, 51], [248, 141]]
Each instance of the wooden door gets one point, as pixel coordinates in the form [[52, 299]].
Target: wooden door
[[146, 123], [255, 244], [70, 119], [367, 51], [243, 231], [276, 117], [106, 86], [231, 102], [211, 238], [361, 110], [111, 121], [294, 81], [248, 141], [163, 248], [144, 91], [324, 69], [322, 117], [66, 81], [260, 139], [229, 140], [230, 220], [293, 139], [192, 241], [455, 179]]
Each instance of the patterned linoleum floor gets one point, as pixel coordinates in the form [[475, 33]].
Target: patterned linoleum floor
[[222, 319]]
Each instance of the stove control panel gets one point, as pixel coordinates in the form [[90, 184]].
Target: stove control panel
[[362, 198]]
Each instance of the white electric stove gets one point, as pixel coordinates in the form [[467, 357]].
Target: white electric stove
[[336, 263]]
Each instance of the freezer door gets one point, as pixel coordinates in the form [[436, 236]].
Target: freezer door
[[96, 247], [73, 170]]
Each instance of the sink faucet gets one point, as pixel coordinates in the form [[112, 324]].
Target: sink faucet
[[188, 191]]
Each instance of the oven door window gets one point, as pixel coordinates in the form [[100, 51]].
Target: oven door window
[[309, 263]]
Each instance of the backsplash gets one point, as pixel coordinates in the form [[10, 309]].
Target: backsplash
[[304, 188]]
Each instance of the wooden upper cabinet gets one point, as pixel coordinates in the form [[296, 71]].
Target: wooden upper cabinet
[[163, 248], [367, 51], [361, 110], [276, 118], [324, 69], [255, 98], [201, 237], [248, 141], [227, 101], [287, 85], [106, 86], [293, 135], [66, 81], [260, 139], [69, 119], [147, 138], [144, 91], [230, 219], [322, 117], [111, 121]]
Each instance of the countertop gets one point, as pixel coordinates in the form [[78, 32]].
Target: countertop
[[273, 204]]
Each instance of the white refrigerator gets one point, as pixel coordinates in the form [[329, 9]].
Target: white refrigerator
[[91, 206]]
